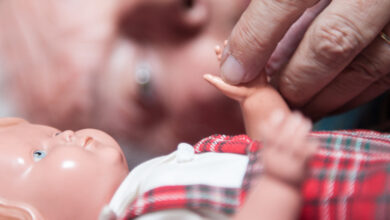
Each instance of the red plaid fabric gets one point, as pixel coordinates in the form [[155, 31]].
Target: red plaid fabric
[[349, 179], [240, 144]]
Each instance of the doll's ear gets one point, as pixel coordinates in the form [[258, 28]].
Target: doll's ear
[[8, 212], [4, 122]]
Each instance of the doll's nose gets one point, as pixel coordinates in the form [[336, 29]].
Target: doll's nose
[[86, 140], [68, 135], [83, 140]]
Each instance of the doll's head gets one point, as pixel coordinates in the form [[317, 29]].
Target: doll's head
[[49, 174]]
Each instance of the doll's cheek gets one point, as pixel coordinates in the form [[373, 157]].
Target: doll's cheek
[[111, 156]]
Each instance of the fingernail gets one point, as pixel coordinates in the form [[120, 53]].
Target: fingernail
[[232, 70]]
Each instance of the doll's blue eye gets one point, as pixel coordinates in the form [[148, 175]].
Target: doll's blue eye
[[39, 155]]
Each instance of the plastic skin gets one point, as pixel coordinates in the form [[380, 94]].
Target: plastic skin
[[48, 174]]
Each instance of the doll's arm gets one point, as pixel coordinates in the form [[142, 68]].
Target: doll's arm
[[286, 151], [257, 99], [271, 199], [276, 195]]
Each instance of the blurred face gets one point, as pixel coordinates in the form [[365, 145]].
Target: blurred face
[[62, 175], [133, 68]]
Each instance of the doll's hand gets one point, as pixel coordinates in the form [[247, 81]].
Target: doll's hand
[[237, 92], [257, 100], [218, 50], [286, 147]]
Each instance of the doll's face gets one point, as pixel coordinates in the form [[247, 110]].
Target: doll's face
[[84, 56], [62, 175]]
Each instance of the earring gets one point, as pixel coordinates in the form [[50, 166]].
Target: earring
[[143, 78]]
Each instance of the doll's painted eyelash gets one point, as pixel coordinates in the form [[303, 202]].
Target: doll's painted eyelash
[[58, 133], [39, 155]]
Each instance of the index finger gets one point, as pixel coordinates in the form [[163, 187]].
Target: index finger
[[330, 44], [256, 35]]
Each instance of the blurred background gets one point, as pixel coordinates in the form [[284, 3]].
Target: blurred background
[[132, 68], [5, 107], [373, 116]]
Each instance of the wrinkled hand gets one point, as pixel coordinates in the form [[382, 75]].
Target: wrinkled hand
[[332, 63]]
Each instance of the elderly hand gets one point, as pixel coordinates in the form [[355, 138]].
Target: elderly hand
[[341, 61]]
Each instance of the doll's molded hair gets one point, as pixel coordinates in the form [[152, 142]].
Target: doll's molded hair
[[4, 122]]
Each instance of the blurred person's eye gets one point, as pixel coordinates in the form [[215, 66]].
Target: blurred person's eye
[[39, 155], [165, 21], [188, 3]]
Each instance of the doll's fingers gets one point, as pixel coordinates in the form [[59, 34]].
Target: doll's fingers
[[298, 137], [234, 92], [312, 147], [270, 129], [300, 140], [218, 52], [217, 49], [276, 118], [308, 148], [287, 131], [303, 128]]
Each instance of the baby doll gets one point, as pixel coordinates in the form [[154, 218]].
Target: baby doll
[[48, 174]]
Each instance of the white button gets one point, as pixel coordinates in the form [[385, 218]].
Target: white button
[[107, 214], [185, 153]]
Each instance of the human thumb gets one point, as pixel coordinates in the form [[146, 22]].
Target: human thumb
[[256, 35]]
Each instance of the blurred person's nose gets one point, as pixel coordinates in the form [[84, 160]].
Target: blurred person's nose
[[168, 21]]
